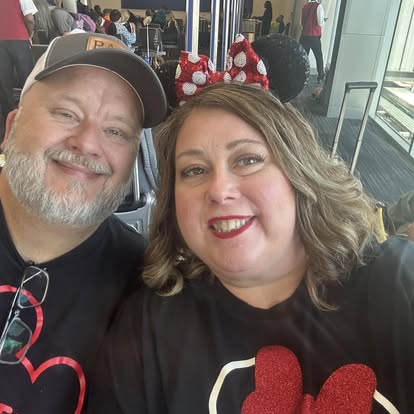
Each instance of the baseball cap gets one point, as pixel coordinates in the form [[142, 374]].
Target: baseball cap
[[106, 52]]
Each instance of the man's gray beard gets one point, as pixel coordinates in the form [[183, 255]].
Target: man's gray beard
[[26, 177]]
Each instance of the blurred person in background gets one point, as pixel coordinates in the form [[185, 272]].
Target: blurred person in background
[[266, 18], [170, 33], [17, 27], [44, 26], [121, 31]]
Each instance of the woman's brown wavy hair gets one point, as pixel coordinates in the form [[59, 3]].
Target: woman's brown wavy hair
[[335, 218]]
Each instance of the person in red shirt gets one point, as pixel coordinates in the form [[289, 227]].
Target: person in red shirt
[[16, 31], [313, 19]]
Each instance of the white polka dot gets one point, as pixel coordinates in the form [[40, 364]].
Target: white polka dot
[[240, 60], [261, 68], [211, 65], [239, 38], [229, 62], [241, 77], [199, 78], [227, 77], [178, 72], [189, 88], [193, 58]]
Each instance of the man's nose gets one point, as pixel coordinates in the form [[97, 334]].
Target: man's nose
[[86, 139], [222, 187]]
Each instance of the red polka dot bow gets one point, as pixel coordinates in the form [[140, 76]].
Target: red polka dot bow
[[243, 65]]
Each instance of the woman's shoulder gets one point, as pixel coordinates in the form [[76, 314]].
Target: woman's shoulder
[[388, 272]]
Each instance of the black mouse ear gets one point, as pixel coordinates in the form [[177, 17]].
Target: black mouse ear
[[166, 74], [286, 62]]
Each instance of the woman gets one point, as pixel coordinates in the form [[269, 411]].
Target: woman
[[272, 294], [129, 38], [170, 33], [266, 18]]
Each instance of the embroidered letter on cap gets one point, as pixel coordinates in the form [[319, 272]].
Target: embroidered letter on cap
[[101, 43]]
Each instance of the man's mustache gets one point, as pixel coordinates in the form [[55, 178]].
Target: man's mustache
[[81, 160]]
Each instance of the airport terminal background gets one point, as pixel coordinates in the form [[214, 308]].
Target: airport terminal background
[[370, 40]]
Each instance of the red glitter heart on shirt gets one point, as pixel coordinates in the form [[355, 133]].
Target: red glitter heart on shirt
[[350, 389]]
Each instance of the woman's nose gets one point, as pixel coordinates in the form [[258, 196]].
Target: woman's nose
[[222, 187]]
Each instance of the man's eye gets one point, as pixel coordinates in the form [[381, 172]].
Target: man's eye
[[65, 114], [193, 171], [115, 132]]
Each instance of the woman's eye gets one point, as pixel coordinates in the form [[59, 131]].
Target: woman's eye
[[249, 160], [193, 171]]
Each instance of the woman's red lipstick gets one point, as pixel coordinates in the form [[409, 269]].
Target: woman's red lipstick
[[232, 233]]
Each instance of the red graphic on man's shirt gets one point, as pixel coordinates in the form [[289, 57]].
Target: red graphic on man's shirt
[[5, 409], [35, 373], [350, 389]]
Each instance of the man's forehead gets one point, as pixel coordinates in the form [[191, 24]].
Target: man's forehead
[[96, 77], [63, 85]]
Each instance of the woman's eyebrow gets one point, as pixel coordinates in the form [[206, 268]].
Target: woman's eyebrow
[[236, 143], [231, 145], [189, 153]]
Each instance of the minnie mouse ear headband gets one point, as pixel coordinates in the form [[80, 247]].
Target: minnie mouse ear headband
[[243, 65], [274, 62]]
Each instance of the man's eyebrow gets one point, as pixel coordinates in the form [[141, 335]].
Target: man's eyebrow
[[132, 122], [231, 145], [68, 98]]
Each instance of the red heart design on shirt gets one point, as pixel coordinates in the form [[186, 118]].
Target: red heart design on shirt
[[5, 409], [34, 373], [350, 389]]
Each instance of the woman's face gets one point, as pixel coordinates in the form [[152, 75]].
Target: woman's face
[[235, 207]]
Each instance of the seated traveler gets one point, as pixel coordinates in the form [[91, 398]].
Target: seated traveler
[[65, 261], [129, 38], [268, 291]]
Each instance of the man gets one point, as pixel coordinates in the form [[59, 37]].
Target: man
[[313, 19], [16, 30], [67, 159], [62, 19]]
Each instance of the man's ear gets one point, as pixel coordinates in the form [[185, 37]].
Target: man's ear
[[9, 123]]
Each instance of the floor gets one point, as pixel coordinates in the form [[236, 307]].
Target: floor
[[384, 168]]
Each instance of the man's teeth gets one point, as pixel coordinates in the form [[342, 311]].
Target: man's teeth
[[226, 226]]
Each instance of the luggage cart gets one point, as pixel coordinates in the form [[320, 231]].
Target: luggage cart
[[349, 86]]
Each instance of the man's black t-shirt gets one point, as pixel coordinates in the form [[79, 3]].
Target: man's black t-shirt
[[85, 286], [206, 351]]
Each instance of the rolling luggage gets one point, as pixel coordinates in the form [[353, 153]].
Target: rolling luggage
[[349, 86]]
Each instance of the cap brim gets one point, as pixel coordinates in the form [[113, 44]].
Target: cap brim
[[132, 69]]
